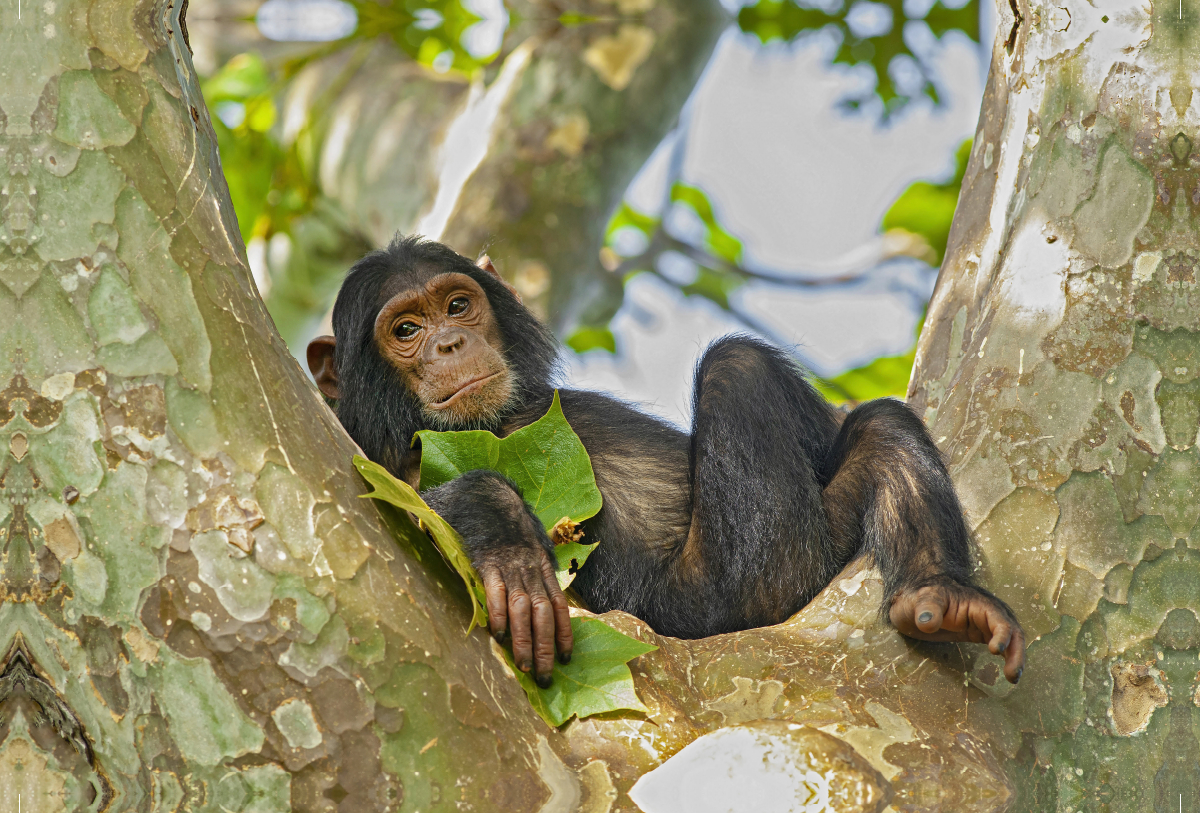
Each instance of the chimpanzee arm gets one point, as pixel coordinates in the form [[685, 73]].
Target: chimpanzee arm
[[512, 553], [891, 493]]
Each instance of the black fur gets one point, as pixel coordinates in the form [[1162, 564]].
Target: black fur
[[738, 524]]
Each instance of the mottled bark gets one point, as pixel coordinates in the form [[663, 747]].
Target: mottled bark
[[1060, 371], [198, 612]]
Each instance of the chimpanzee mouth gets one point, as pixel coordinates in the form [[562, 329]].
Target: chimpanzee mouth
[[474, 385]]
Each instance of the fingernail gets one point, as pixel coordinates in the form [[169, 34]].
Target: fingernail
[[525, 666], [925, 617], [499, 636], [1003, 646], [1019, 672], [564, 657], [543, 681]]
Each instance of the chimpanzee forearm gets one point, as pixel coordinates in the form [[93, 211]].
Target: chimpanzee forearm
[[487, 510]]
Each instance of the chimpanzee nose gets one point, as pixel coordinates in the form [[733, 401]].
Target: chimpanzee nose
[[448, 344]]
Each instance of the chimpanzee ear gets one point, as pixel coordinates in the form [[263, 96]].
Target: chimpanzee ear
[[322, 367], [485, 262]]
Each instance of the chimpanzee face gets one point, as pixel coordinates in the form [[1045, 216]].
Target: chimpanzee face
[[444, 341]]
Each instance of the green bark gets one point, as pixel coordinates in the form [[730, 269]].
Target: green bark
[[199, 612], [1058, 370]]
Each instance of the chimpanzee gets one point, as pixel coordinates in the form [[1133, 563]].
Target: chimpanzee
[[738, 524]]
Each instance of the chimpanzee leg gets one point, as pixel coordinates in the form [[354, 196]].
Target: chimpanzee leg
[[759, 547], [890, 491]]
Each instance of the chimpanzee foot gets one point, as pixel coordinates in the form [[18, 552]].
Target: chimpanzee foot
[[949, 611]]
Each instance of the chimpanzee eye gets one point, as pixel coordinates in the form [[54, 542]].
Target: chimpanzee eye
[[406, 330], [458, 305]]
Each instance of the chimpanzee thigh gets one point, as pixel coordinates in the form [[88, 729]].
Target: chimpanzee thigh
[[759, 539]]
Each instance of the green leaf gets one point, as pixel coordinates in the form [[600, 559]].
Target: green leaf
[[715, 286], [628, 217], [595, 681], [720, 242], [882, 377], [546, 460], [592, 338], [598, 678], [569, 557], [401, 494]]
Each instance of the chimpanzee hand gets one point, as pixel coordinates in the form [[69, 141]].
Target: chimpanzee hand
[[509, 547], [950, 611], [524, 600]]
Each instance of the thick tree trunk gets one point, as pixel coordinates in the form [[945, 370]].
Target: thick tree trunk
[[1060, 371], [199, 613]]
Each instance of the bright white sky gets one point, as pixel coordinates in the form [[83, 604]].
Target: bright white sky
[[803, 185]]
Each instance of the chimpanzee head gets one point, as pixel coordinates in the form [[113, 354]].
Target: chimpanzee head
[[426, 339]]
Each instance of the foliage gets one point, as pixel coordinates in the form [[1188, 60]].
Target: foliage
[[927, 209], [596, 680], [548, 463], [882, 51], [270, 185], [545, 460], [883, 377], [719, 241], [429, 31], [276, 195]]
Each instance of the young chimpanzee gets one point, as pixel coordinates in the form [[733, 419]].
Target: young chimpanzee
[[738, 524]]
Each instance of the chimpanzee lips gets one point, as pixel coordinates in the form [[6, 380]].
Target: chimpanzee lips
[[474, 385]]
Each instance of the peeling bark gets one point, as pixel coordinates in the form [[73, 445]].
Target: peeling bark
[[199, 613]]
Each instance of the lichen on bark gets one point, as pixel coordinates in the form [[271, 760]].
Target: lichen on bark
[[197, 611]]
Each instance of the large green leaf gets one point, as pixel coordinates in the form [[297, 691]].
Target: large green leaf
[[596, 680], [546, 460], [402, 495]]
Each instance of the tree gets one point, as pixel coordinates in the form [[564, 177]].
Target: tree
[[199, 613]]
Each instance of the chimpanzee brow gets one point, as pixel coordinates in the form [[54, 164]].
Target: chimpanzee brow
[[399, 284]]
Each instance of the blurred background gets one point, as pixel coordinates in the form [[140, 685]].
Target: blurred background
[[650, 174]]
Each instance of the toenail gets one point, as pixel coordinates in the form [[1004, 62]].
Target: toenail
[[925, 617]]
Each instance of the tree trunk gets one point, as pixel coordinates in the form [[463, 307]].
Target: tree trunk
[[588, 106], [199, 613], [1060, 371]]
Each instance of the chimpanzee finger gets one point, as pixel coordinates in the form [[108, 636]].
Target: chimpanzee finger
[[497, 601], [543, 634], [520, 623], [1004, 637], [563, 639]]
